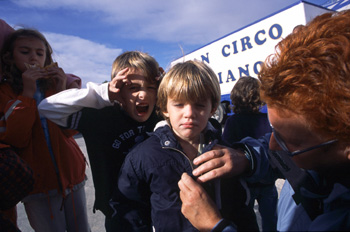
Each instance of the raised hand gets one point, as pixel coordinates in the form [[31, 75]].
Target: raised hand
[[29, 78], [116, 84], [59, 76]]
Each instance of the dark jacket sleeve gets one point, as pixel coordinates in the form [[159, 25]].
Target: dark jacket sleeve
[[130, 200], [259, 149], [224, 226]]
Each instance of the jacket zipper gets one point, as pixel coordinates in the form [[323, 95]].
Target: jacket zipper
[[174, 149]]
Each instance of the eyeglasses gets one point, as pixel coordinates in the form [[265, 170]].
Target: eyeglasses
[[282, 144]]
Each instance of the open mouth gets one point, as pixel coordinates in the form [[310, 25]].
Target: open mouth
[[141, 109]]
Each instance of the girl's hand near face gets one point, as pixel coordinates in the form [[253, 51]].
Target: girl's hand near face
[[116, 84], [29, 78], [59, 76]]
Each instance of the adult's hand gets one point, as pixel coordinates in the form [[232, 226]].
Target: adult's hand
[[197, 206], [219, 162]]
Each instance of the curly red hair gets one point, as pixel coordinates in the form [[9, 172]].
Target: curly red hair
[[310, 75]]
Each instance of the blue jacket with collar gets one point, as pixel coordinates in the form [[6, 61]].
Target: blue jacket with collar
[[148, 194], [335, 213]]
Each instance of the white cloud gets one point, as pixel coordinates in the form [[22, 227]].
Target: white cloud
[[88, 60], [187, 21]]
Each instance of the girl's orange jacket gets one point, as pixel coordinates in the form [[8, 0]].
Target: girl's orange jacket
[[20, 127]]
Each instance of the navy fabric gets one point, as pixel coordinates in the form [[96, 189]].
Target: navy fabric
[[148, 194]]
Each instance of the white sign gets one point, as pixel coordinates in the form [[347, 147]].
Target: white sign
[[242, 52]]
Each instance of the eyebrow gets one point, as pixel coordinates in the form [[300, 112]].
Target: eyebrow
[[145, 83], [26, 47]]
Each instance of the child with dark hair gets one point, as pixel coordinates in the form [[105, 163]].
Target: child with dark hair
[[28, 76], [249, 121]]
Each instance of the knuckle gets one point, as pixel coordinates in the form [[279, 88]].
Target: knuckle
[[214, 173]]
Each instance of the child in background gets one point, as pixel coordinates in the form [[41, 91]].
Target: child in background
[[112, 117], [58, 164], [147, 193], [73, 81], [249, 121]]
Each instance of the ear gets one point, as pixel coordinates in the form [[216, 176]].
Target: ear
[[166, 114], [212, 112]]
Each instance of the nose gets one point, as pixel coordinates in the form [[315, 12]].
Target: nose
[[189, 111], [33, 56], [142, 94]]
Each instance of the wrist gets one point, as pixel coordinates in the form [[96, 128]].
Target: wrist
[[224, 225], [248, 158], [28, 93]]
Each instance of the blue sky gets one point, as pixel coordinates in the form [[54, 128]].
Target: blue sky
[[87, 35]]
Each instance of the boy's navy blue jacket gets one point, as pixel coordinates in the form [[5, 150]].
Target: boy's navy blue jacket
[[108, 142], [148, 193]]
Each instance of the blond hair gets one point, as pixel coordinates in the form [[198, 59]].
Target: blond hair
[[191, 81], [140, 61]]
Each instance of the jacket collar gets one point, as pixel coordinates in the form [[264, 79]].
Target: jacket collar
[[167, 139]]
